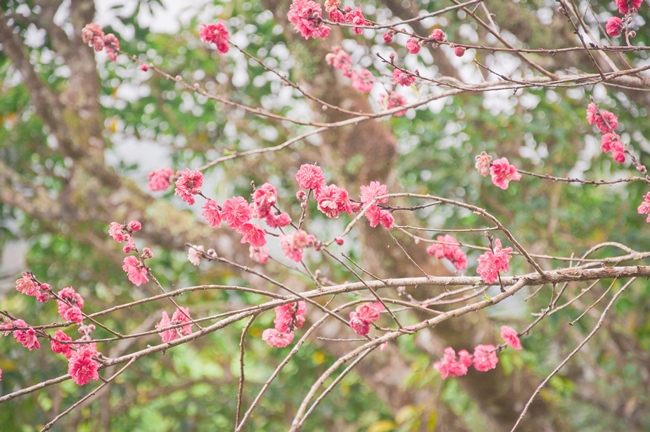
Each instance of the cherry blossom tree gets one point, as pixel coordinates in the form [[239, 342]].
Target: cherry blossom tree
[[419, 215]]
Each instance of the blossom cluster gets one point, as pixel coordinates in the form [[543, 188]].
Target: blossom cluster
[[69, 301], [216, 34], [82, 365], [363, 316], [70, 304], [449, 248], [392, 99], [615, 25], [238, 213], [30, 286], [501, 171], [294, 244], [607, 122], [644, 207], [135, 267], [307, 18], [81, 355], [160, 179], [23, 333], [484, 358], [288, 318], [123, 233], [333, 200], [362, 81], [492, 262], [93, 35], [181, 317], [346, 15]]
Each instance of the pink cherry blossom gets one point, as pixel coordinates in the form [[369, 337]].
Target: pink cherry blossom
[[459, 51], [483, 164], [438, 35], [358, 325], [394, 100], [628, 6], [306, 16], [369, 312], [194, 255], [275, 221], [136, 271], [611, 142], [340, 60], [614, 26], [386, 219], [603, 119], [356, 17], [293, 244], [332, 200], [363, 81], [374, 190], [449, 366], [310, 177], [292, 253], [26, 337], [82, 367], [93, 35], [276, 339], [216, 34], [236, 212], [27, 285], [61, 348], [606, 121], [135, 225], [491, 263], [388, 37], [0, 374], [412, 46], [112, 46], [259, 254], [332, 5], [43, 296], [117, 231], [511, 337], [363, 316], [644, 207], [403, 78], [376, 216], [337, 16], [485, 358], [71, 299], [160, 179], [181, 316], [73, 314], [289, 317], [147, 253], [253, 234], [452, 252], [211, 213], [264, 198], [188, 184], [130, 244], [502, 173], [169, 334]]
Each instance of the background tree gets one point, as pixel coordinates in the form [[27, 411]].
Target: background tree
[[80, 134]]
